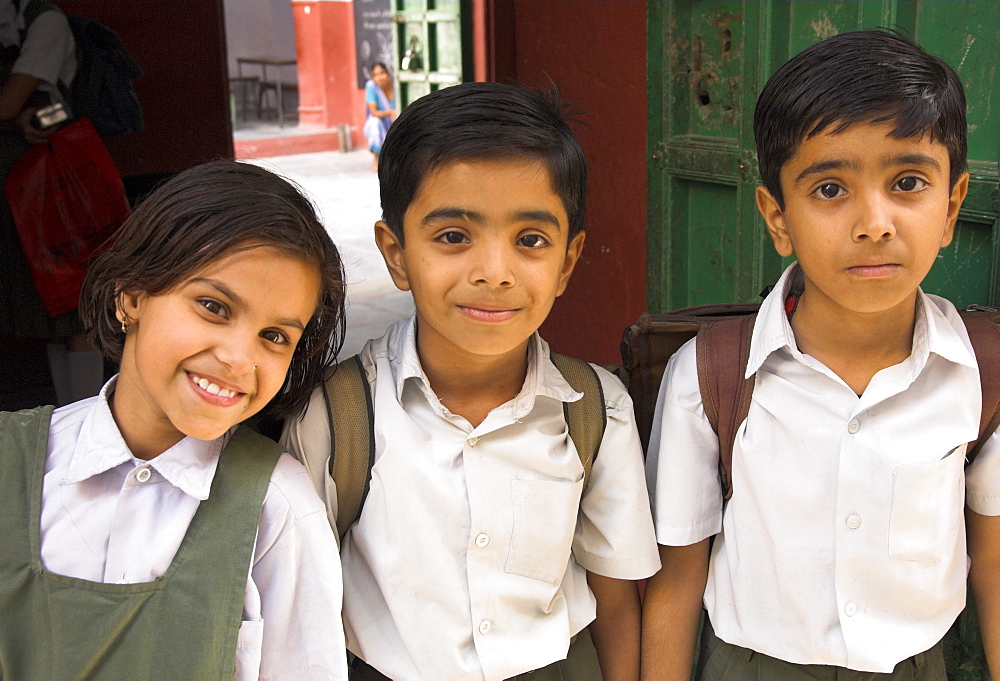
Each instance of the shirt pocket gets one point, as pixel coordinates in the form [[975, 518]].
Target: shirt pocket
[[927, 503], [248, 650], [544, 522]]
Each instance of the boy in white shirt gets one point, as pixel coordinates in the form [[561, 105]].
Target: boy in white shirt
[[842, 550], [478, 553]]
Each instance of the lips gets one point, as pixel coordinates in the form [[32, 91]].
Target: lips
[[874, 270], [487, 313], [213, 388]]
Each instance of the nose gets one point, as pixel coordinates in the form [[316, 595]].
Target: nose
[[492, 265], [875, 218], [238, 351]]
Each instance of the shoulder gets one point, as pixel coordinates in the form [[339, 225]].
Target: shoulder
[[67, 421], [291, 506], [290, 495], [680, 378], [50, 21]]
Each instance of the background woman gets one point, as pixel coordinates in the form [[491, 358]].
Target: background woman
[[381, 109]]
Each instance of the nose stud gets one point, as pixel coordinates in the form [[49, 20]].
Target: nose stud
[[255, 367]]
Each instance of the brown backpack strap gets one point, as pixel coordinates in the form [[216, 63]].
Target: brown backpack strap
[[352, 439], [985, 338], [723, 350], [586, 418]]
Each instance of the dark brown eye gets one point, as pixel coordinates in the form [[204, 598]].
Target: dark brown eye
[[910, 184], [830, 190], [452, 238], [533, 241]]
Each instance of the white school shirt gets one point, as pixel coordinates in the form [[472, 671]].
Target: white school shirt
[[844, 540], [469, 559], [48, 52], [109, 517]]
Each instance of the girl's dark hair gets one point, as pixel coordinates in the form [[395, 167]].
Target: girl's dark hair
[[199, 216], [382, 64], [481, 121], [872, 76]]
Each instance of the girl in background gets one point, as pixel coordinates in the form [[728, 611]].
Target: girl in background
[[381, 109]]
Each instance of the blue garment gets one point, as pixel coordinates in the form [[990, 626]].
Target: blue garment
[[375, 127]]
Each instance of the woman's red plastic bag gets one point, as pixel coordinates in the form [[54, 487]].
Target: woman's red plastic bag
[[67, 198]]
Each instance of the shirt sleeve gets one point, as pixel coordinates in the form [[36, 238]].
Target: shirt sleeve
[[297, 574], [682, 467], [308, 440], [982, 478], [614, 533], [370, 94], [48, 44]]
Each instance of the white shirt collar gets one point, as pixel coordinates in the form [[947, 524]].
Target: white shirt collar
[[542, 378], [189, 465], [933, 331]]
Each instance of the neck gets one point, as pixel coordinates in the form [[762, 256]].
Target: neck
[[854, 345], [141, 437], [473, 385]]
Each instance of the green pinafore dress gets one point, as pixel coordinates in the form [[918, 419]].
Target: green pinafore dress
[[183, 626]]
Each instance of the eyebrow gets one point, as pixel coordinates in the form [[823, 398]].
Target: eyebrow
[[915, 159], [449, 213], [820, 167], [237, 300]]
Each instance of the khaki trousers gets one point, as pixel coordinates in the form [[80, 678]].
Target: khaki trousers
[[720, 661]]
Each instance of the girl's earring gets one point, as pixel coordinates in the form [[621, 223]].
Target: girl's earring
[[125, 324]]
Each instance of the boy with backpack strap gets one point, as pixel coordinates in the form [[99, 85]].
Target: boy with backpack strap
[[483, 549], [841, 552]]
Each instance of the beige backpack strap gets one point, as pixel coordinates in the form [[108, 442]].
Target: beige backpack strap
[[723, 350], [587, 417], [352, 438], [985, 337]]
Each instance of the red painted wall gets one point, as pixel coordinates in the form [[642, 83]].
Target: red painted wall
[[328, 88], [595, 52], [181, 48]]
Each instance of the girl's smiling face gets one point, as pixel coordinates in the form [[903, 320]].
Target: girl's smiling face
[[213, 350]]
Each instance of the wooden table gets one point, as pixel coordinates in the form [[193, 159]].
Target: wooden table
[[265, 84]]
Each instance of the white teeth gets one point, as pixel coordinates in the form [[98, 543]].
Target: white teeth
[[212, 388]]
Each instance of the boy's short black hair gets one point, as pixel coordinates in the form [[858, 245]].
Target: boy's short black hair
[[198, 216], [481, 121], [872, 76]]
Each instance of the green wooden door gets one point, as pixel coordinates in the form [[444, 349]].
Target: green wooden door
[[432, 44], [708, 59]]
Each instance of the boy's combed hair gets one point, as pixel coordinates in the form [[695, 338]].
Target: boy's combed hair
[[199, 216], [874, 76], [481, 121]]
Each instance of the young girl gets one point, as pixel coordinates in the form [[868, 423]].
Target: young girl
[[146, 534]]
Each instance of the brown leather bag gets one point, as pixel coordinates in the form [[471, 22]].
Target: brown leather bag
[[723, 349]]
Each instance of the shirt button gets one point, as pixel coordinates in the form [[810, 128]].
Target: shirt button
[[143, 475], [484, 627], [851, 609], [853, 426], [482, 539], [473, 441], [854, 521]]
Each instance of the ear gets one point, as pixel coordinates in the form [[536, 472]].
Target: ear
[[958, 193], [128, 305], [774, 218], [392, 252], [569, 262]]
